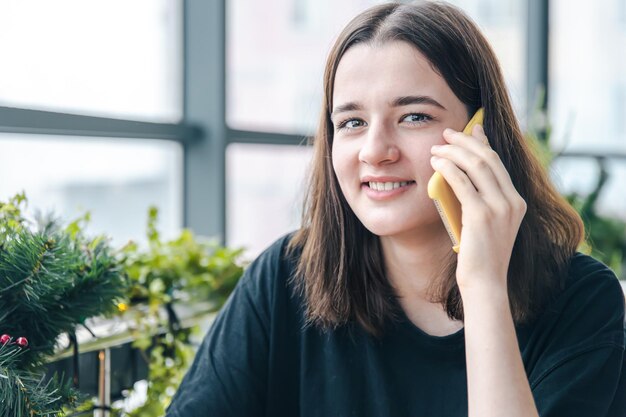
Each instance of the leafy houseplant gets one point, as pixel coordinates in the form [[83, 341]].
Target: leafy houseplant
[[184, 271]]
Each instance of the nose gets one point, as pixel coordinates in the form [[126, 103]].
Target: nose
[[379, 146]]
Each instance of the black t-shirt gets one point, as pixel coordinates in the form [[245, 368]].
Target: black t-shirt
[[259, 360]]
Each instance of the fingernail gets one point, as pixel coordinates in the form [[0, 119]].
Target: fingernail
[[435, 148], [447, 131]]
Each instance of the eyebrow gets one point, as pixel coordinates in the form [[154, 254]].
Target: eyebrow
[[398, 102]]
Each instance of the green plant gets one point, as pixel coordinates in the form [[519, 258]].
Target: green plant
[[186, 270], [25, 393], [52, 279]]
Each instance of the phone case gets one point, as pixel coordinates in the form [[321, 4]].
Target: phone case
[[447, 204]]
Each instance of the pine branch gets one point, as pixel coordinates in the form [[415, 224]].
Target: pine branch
[[26, 394], [51, 282]]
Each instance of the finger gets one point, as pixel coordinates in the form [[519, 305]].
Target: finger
[[472, 201], [458, 180], [477, 140], [475, 167], [479, 133], [479, 144]]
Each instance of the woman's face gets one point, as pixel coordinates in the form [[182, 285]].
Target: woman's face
[[389, 108]]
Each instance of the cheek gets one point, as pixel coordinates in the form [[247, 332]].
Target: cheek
[[419, 159], [341, 163], [439, 139]]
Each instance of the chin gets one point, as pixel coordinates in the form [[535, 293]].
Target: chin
[[388, 231], [386, 227], [401, 222]]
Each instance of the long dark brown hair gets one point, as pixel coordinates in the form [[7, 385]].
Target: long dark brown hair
[[340, 272]]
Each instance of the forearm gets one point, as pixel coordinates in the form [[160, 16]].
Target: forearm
[[496, 380]]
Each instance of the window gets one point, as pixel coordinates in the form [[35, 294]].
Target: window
[[587, 78], [116, 180], [619, 109], [264, 193], [580, 175], [110, 58]]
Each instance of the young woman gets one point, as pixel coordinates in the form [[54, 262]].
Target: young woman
[[366, 310]]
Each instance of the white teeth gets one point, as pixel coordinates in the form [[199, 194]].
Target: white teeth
[[387, 186]]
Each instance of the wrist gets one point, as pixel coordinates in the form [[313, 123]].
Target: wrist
[[486, 306], [491, 290]]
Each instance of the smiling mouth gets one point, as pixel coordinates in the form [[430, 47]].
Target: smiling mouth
[[387, 186]]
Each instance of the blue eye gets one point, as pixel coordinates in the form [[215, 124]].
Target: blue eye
[[350, 124], [416, 118], [412, 119]]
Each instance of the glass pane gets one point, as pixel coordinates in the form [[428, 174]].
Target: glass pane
[[275, 72], [588, 75], [588, 94], [580, 176], [101, 57], [116, 180], [264, 191]]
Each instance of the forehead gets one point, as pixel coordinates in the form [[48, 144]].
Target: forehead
[[391, 69]]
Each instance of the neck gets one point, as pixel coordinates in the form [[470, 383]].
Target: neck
[[414, 260]]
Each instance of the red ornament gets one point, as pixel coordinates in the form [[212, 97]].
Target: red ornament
[[22, 342], [5, 338]]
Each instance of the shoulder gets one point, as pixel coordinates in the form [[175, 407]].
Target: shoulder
[[590, 308], [584, 267], [574, 352], [593, 287]]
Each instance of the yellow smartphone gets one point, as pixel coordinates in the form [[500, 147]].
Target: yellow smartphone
[[447, 204]]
